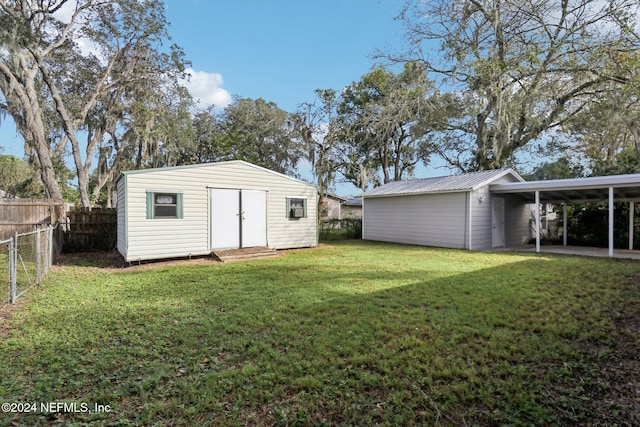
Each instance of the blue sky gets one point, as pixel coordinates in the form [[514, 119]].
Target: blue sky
[[282, 50], [278, 50]]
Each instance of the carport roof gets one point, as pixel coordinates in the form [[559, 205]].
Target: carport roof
[[592, 189]]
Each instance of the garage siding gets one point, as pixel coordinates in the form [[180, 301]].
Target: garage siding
[[431, 220], [516, 220], [452, 212], [481, 234]]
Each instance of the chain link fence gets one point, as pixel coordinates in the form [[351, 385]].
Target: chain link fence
[[6, 255], [26, 258]]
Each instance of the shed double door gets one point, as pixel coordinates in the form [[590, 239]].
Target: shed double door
[[238, 218]]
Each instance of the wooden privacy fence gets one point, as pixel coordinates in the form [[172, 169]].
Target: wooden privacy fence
[[90, 229], [80, 230], [24, 215]]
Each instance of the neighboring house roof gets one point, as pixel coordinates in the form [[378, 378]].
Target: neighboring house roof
[[356, 201], [5, 195], [441, 184], [333, 196]]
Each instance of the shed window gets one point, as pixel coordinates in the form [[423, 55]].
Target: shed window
[[296, 208], [164, 205]]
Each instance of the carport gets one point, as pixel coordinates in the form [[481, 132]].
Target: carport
[[609, 189]]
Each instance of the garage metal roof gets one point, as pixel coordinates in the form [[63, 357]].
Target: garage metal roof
[[592, 189], [441, 184]]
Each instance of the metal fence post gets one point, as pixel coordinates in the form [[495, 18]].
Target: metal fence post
[[13, 263], [38, 257], [49, 247]]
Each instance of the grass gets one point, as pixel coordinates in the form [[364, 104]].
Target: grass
[[346, 334]]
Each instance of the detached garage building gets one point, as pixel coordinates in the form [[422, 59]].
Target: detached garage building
[[192, 210], [453, 212]]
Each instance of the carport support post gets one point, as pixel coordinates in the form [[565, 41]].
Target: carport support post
[[631, 215], [611, 222], [537, 221], [470, 219], [564, 224]]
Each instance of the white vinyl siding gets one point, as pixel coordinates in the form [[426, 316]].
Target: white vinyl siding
[[166, 237], [431, 220], [121, 215]]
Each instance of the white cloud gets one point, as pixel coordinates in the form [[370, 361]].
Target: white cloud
[[89, 47], [205, 88], [65, 13], [85, 45]]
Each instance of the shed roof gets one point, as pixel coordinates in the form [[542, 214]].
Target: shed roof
[[442, 184], [626, 187], [208, 165]]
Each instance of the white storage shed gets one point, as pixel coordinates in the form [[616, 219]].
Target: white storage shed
[[192, 210], [455, 211]]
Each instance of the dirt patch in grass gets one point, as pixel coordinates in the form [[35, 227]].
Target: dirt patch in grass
[[6, 311], [113, 260]]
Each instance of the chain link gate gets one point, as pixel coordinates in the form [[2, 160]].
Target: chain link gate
[[28, 259]]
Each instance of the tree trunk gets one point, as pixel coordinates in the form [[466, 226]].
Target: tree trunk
[[109, 194], [46, 170], [23, 105], [83, 187], [31, 128], [634, 128], [384, 161]]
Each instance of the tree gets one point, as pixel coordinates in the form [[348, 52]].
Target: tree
[[316, 124], [559, 169], [163, 134], [210, 145], [259, 132], [44, 73], [607, 130], [603, 130], [521, 67], [384, 120], [17, 178]]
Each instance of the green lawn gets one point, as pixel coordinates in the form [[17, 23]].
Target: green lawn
[[4, 274], [346, 334]]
